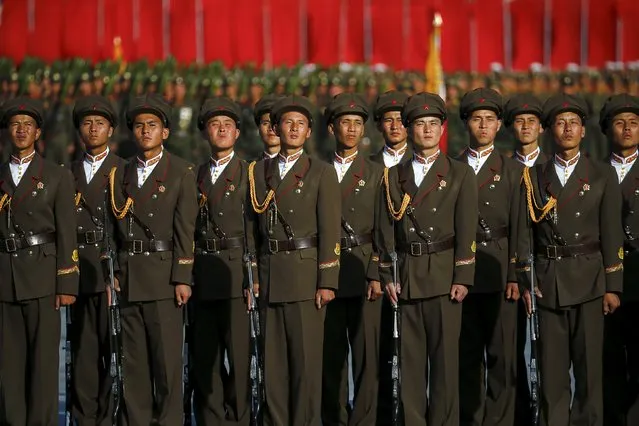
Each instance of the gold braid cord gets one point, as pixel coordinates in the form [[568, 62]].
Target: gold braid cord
[[257, 206], [532, 203], [203, 200], [119, 213], [397, 215], [78, 197], [4, 201]]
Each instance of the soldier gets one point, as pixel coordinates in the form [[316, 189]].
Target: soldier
[[39, 263], [429, 216], [354, 317], [220, 321], [490, 311], [573, 205], [296, 198], [619, 120], [183, 141], [155, 203], [95, 120], [262, 116], [388, 108], [522, 114]]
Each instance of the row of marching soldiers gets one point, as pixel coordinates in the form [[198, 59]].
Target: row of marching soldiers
[[450, 241]]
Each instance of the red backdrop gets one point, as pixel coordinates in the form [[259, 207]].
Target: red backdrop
[[322, 31]]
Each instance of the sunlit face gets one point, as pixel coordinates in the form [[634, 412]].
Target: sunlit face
[[426, 132], [568, 130], [95, 131], [483, 126], [149, 132], [23, 131], [293, 129], [222, 132], [392, 128], [348, 129], [267, 134], [527, 128], [624, 130]]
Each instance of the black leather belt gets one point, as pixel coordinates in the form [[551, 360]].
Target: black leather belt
[[492, 235], [355, 240], [275, 246], [141, 246], [555, 252], [631, 245], [417, 248], [91, 237], [10, 245], [219, 244]]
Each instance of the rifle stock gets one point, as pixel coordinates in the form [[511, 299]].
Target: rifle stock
[[186, 374], [535, 373], [396, 368], [68, 370]]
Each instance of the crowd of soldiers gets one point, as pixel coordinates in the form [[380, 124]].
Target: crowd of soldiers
[[336, 249]]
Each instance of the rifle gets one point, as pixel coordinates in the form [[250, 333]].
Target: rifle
[[115, 330], [188, 385], [396, 370], [535, 374], [68, 370], [256, 371]]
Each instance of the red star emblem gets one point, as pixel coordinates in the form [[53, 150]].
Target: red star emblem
[[21, 107], [221, 108], [95, 107], [482, 100], [627, 105], [393, 102], [426, 107], [525, 106], [352, 105], [565, 105]]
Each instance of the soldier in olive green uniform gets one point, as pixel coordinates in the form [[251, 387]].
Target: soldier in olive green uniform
[[354, 317], [39, 265], [262, 116], [297, 199], [573, 206], [183, 141], [155, 202], [387, 114], [490, 310], [522, 115], [429, 215], [619, 121], [95, 119], [220, 321]]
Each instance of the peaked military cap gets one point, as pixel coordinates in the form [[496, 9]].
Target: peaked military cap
[[94, 105], [392, 100], [481, 98], [617, 104], [264, 106], [152, 104], [522, 104], [22, 105], [557, 104], [297, 103], [346, 103], [423, 104], [220, 105]]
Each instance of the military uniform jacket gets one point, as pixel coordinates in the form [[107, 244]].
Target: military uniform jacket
[[630, 221], [588, 211], [361, 193], [42, 203], [91, 200], [225, 206], [445, 205], [167, 204], [498, 183], [308, 199]]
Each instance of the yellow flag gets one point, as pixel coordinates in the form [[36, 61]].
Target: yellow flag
[[434, 70]]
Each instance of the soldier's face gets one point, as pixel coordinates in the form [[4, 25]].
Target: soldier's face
[[348, 130], [149, 132], [293, 129], [625, 130], [23, 131], [222, 132], [393, 129], [527, 128], [267, 134], [483, 126], [568, 130], [426, 133], [95, 131]]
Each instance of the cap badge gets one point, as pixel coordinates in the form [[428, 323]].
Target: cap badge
[[482, 100], [393, 102], [352, 105], [21, 107], [426, 107], [94, 107], [525, 106], [565, 105]]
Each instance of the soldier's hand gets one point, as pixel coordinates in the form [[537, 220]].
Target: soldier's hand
[[256, 294], [63, 300], [610, 303], [374, 291], [458, 292], [116, 284], [392, 292], [323, 296], [528, 302], [512, 291], [182, 294]]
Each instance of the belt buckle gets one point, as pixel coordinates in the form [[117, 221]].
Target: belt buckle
[[416, 249], [137, 247], [551, 252], [10, 245], [211, 244], [90, 237], [273, 246]]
